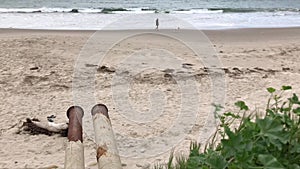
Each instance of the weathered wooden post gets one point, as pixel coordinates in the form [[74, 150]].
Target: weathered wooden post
[[107, 152], [74, 157]]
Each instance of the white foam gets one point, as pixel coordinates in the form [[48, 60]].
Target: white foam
[[89, 10], [15, 10], [92, 21], [136, 11], [32, 10]]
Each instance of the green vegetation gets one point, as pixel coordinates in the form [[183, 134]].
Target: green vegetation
[[267, 141]]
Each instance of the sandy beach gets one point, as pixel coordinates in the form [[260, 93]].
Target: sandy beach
[[37, 80]]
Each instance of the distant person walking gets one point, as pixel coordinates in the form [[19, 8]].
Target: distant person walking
[[157, 23]]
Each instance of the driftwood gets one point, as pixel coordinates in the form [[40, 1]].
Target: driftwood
[[35, 127]]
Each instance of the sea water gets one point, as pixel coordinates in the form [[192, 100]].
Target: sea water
[[141, 14]]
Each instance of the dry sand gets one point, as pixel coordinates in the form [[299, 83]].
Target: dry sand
[[36, 81]]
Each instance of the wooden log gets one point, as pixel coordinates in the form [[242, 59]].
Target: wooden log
[[107, 152], [35, 126]]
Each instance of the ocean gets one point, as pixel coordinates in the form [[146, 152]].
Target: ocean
[[134, 14]]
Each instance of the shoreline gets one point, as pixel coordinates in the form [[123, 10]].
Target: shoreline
[[234, 36], [91, 30]]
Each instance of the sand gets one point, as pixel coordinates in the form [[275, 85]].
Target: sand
[[149, 95]]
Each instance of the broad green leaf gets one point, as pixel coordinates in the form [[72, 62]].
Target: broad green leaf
[[276, 142], [286, 109], [216, 161], [286, 87], [269, 161], [196, 161], [271, 90], [233, 145], [241, 105], [297, 111], [294, 99], [294, 166], [296, 148], [272, 129]]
